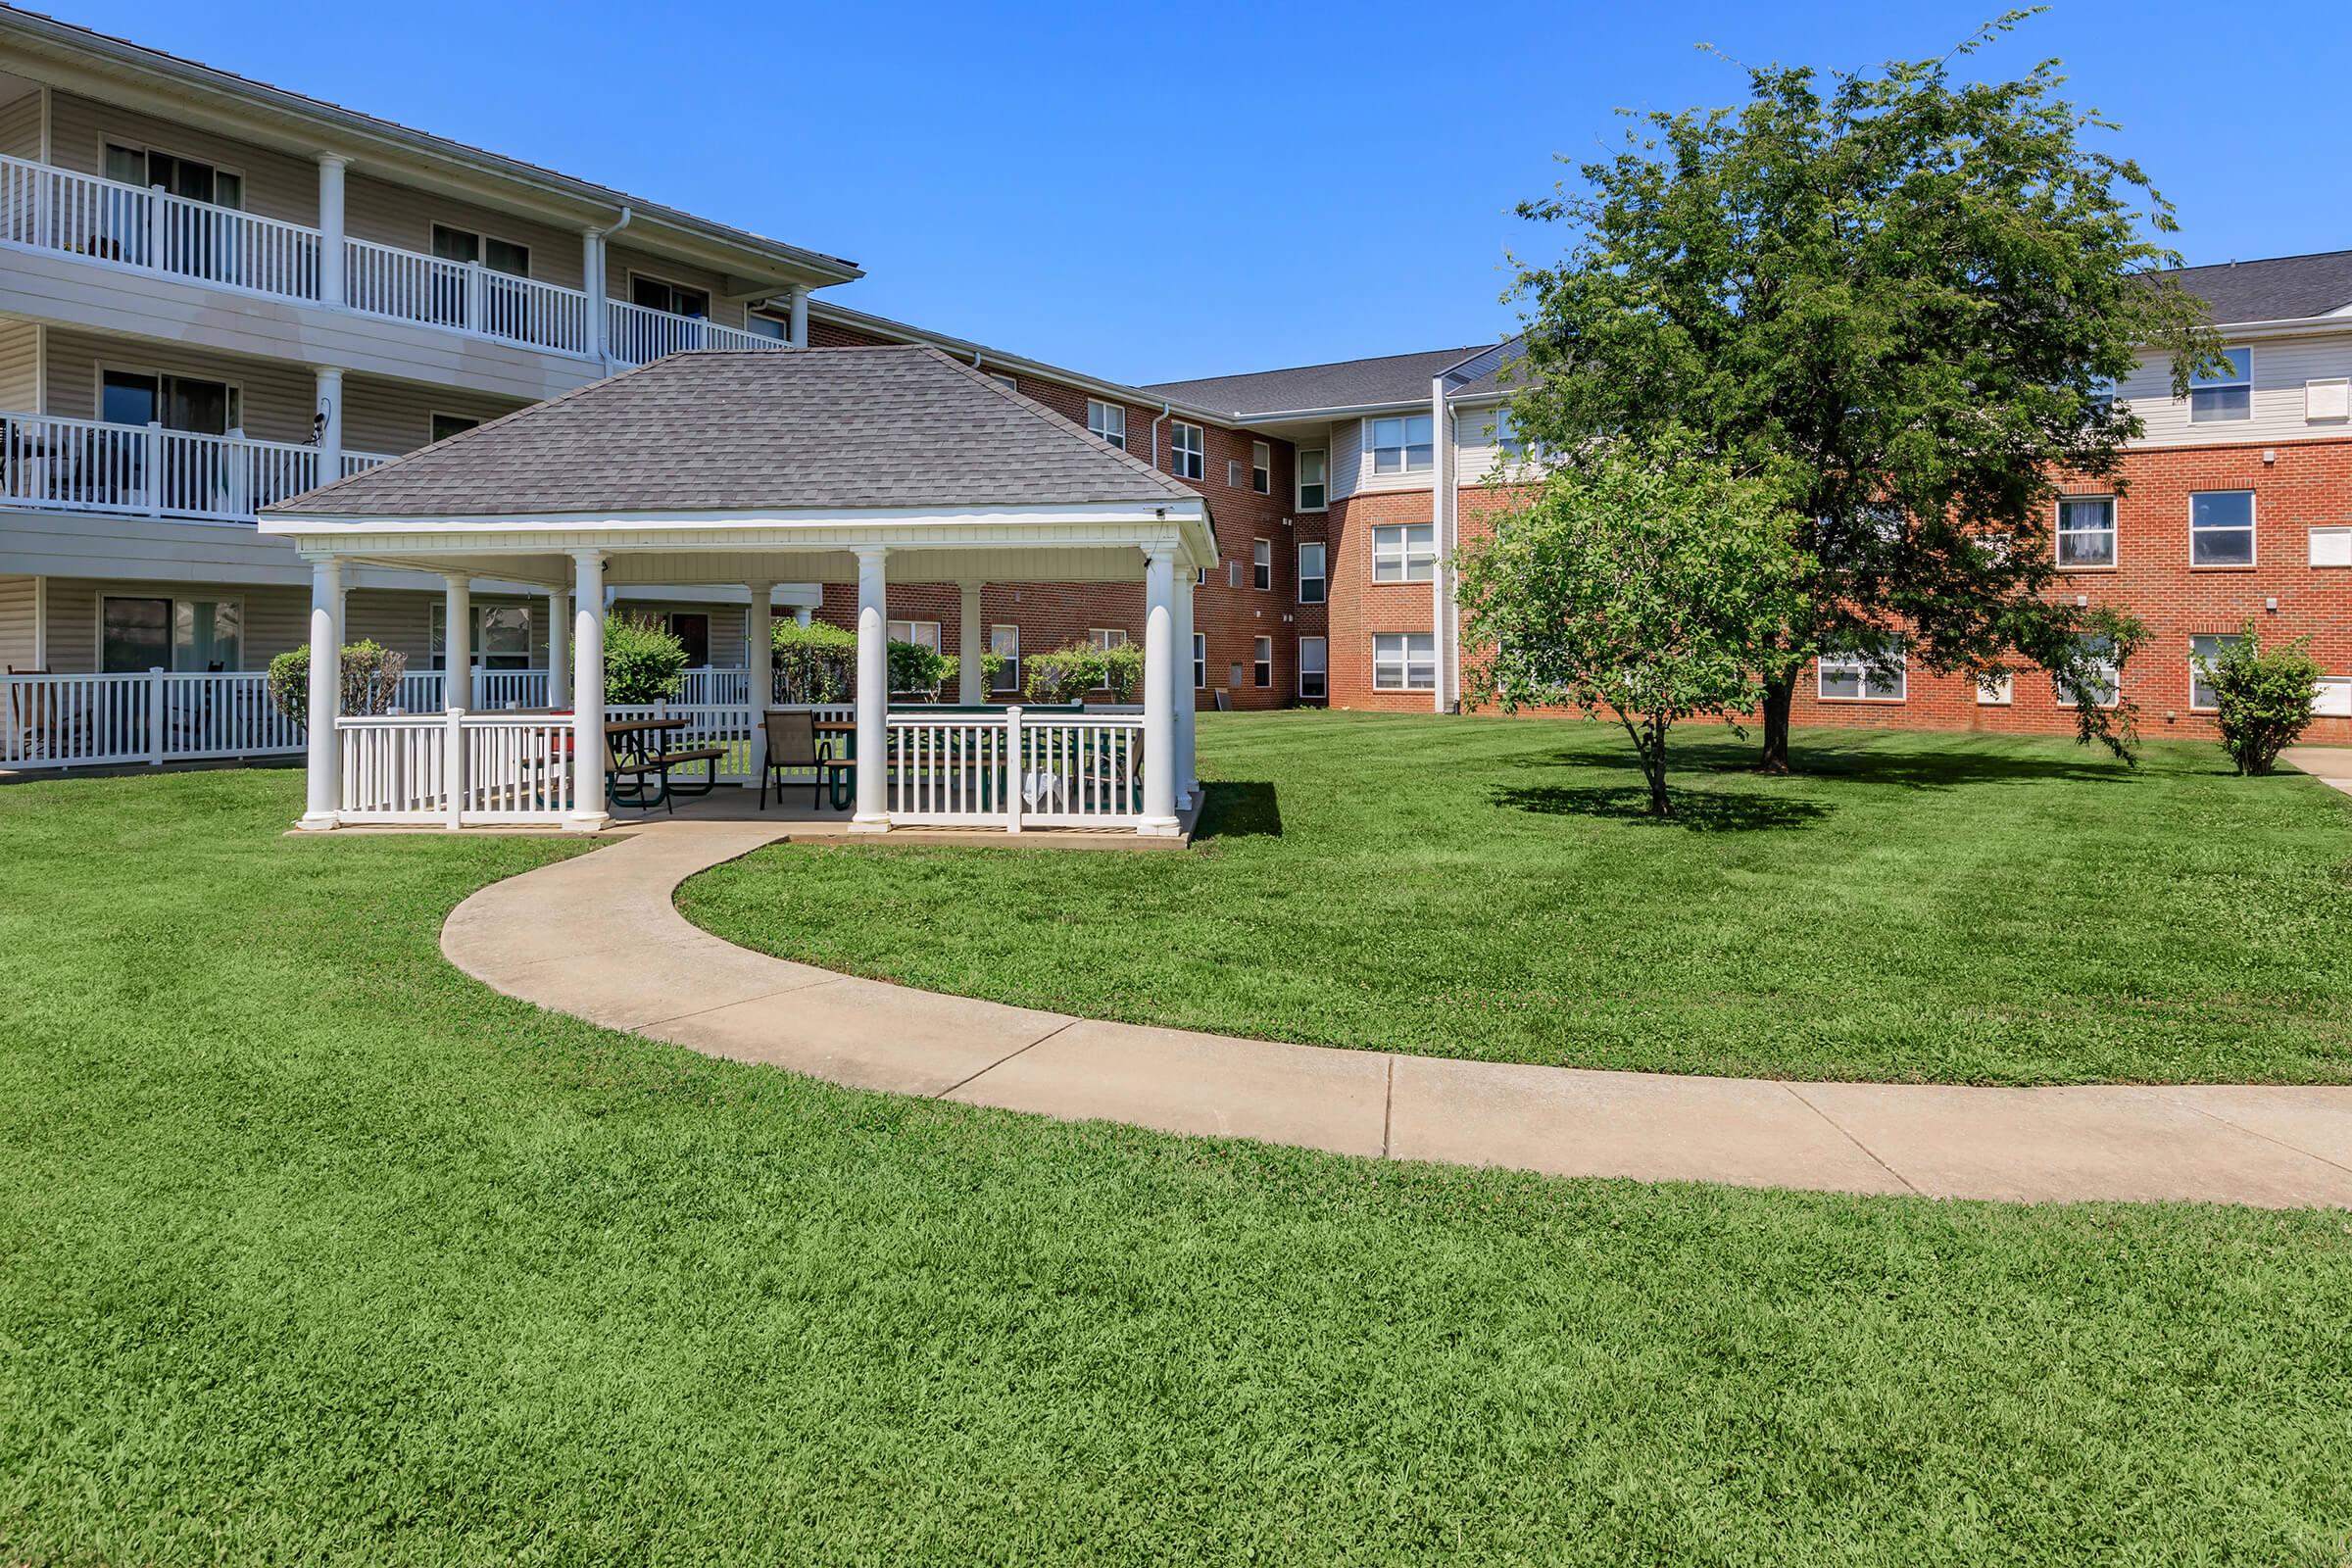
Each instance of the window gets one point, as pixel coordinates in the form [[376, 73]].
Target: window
[[195, 180], [2106, 676], [2219, 395], [1106, 636], [1261, 564], [2202, 651], [1261, 660], [767, 327], [1261, 467], [1200, 661], [1506, 436], [1998, 692], [2085, 532], [2220, 528], [1188, 450], [177, 403], [1405, 552], [496, 255], [1232, 474], [1233, 573], [1010, 383], [1314, 662], [1005, 643], [501, 636], [1400, 446], [925, 632], [445, 425], [1108, 421], [187, 635], [1312, 582], [660, 294], [1405, 662], [691, 629], [1853, 678], [1314, 479]]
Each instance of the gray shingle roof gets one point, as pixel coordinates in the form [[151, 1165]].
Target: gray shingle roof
[[824, 429], [2277, 289], [1347, 384]]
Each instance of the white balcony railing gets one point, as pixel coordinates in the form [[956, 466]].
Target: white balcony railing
[[1016, 769], [457, 768], [87, 466], [49, 208]]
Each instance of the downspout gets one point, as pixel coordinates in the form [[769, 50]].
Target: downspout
[[1164, 413], [594, 282]]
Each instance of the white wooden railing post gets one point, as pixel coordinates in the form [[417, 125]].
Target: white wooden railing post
[[453, 765], [474, 319], [240, 460], [158, 221], [1012, 769], [330, 229], [155, 467], [155, 717]]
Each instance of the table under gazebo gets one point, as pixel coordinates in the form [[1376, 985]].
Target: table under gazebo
[[865, 466]]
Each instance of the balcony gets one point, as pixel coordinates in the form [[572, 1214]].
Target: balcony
[[57, 464], [59, 211]]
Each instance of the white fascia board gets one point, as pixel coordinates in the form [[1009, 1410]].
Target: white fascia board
[[2292, 326], [1348, 411]]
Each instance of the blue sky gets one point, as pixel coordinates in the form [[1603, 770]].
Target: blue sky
[[1151, 192]]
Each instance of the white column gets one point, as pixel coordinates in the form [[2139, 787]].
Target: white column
[[559, 649], [1186, 695], [323, 790], [873, 692], [331, 227], [588, 693], [592, 279], [1440, 495], [457, 640], [760, 668], [331, 422], [1160, 695], [970, 647], [800, 318]]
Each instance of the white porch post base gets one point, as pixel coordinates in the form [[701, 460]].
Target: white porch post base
[[324, 789], [1158, 819], [759, 670], [873, 692], [587, 813]]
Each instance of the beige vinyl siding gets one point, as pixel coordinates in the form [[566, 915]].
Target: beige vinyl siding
[[728, 623], [620, 264], [275, 618], [1348, 460], [2279, 366], [276, 397], [396, 416], [276, 185], [397, 215], [404, 621], [1359, 461], [20, 640], [1474, 445], [20, 368], [21, 125]]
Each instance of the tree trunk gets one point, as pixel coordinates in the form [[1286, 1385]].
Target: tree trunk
[[1779, 693], [1653, 768]]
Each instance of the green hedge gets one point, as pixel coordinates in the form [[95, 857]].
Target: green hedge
[[370, 681], [644, 660]]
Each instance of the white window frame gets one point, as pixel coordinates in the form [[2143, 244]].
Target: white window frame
[[2222, 409], [1261, 564], [1009, 679], [1299, 485], [436, 635], [1232, 474], [1871, 682], [2114, 682], [98, 370], [1396, 557], [1404, 446], [1261, 467], [2250, 528], [1010, 383], [1107, 638], [2220, 641], [481, 238], [1200, 661], [914, 630], [1322, 676], [1319, 577], [1393, 660], [1187, 450], [1503, 430], [1261, 663], [176, 601], [147, 150], [2060, 534], [433, 416], [1106, 421]]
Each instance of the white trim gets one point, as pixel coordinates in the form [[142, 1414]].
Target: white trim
[[1299, 478], [1323, 696], [1104, 435], [1258, 446], [1261, 559], [1012, 661], [1403, 663], [1189, 509], [1865, 672], [1200, 661], [2336, 533], [2252, 531], [41, 623], [2115, 536], [2222, 640], [126, 589], [1257, 641], [1406, 557], [1198, 451], [1322, 576]]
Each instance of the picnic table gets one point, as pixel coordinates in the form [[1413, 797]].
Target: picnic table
[[638, 751]]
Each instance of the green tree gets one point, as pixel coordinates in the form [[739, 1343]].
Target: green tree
[[1644, 582], [644, 660], [1902, 297], [370, 679], [2265, 696]]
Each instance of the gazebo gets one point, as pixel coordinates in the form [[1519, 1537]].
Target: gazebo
[[870, 466]]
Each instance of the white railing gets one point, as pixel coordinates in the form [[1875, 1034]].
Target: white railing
[[236, 250], [494, 689], [362, 462], [635, 335], [458, 769], [1065, 769], [56, 209], [88, 466], [159, 716]]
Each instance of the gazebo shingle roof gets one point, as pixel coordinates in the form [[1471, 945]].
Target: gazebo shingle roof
[[823, 429]]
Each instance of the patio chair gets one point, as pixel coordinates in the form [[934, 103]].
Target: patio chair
[[791, 743]]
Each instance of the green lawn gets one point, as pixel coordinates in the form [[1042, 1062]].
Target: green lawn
[[1950, 908], [312, 1250]]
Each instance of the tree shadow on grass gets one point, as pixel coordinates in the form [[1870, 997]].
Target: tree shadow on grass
[[1695, 810], [1918, 770], [1243, 810]]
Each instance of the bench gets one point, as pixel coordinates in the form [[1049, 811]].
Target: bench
[[649, 772]]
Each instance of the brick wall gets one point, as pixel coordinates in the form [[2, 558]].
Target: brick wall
[[1361, 608]]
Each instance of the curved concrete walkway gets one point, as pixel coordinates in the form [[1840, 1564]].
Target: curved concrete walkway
[[597, 935]]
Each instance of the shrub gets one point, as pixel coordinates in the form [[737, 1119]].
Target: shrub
[[644, 661], [992, 664], [2265, 696], [915, 670], [1064, 675], [372, 675], [1123, 670], [813, 663]]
